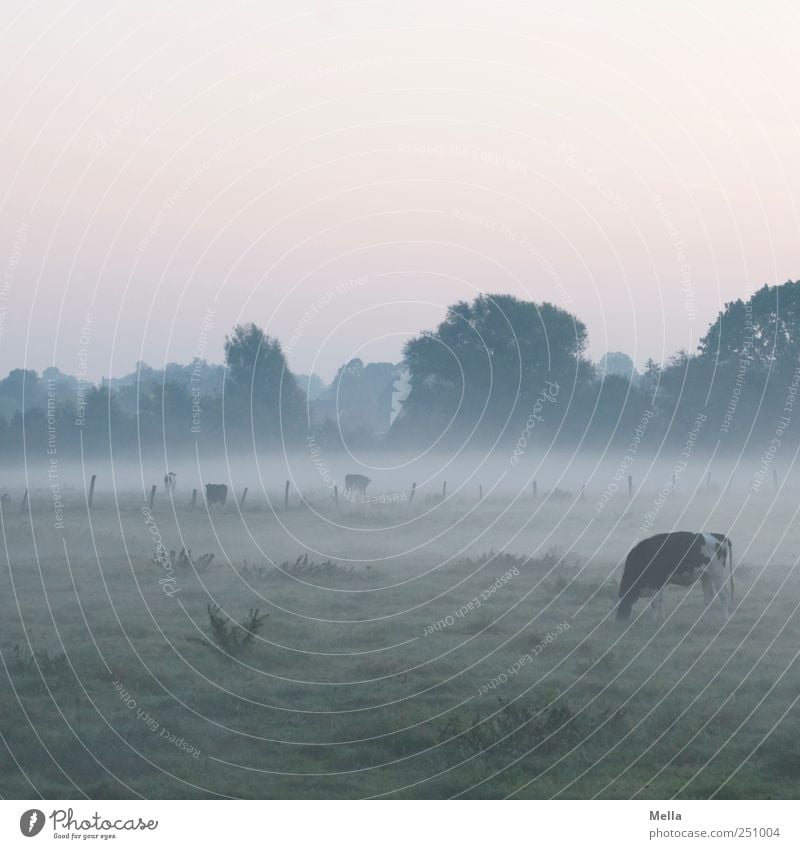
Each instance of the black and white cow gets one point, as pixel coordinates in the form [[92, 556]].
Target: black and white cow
[[680, 557], [357, 484], [170, 479], [216, 493]]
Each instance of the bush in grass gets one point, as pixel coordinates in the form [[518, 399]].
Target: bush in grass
[[231, 637], [302, 568], [518, 727], [24, 662]]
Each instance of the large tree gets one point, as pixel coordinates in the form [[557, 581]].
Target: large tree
[[487, 362], [362, 394], [765, 327], [741, 373], [260, 391]]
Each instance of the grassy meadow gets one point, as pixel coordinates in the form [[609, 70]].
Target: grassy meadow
[[426, 650]]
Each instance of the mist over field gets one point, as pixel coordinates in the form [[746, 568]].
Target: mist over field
[[398, 586], [399, 401]]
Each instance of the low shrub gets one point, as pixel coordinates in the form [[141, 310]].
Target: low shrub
[[231, 637]]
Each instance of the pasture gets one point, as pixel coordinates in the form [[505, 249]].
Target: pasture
[[403, 650]]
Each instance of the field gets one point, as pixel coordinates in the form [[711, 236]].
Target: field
[[425, 650]]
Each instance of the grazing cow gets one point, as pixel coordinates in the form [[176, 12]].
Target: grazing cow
[[216, 493], [681, 558], [357, 484], [169, 481]]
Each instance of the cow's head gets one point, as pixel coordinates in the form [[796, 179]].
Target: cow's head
[[710, 548]]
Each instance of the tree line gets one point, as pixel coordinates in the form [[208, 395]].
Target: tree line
[[497, 371]]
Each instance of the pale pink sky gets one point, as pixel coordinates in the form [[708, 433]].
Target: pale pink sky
[[340, 172]]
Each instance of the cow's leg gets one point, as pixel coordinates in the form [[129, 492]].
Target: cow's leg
[[625, 605], [718, 577], [657, 605], [708, 589]]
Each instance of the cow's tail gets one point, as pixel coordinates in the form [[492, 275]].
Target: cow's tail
[[730, 566]]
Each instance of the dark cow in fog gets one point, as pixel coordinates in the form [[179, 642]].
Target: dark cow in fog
[[216, 493], [170, 479], [357, 484], [680, 558]]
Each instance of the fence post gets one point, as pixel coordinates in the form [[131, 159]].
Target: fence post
[[444, 490], [194, 498], [24, 502], [286, 497], [91, 491], [244, 495], [413, 490], [535, 491], [775, 478], [152, 496], [480, 492]]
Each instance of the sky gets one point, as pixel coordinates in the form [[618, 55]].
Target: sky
[[338, 173]]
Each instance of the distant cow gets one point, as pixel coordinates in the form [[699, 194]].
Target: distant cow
[[216, 493], [680, 558], [356, 484], [170, 479]]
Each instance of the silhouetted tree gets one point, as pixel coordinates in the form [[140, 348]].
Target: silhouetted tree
[[485, 365], [260, 392], [21, 389], [361, 395]]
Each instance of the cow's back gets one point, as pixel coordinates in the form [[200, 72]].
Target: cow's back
[[357, 483], [657, 556], [216, 493]]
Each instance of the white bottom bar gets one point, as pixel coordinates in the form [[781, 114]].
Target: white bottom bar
[[387, 824]]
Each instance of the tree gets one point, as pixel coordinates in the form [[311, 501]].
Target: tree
[[618, 364], [311, 384], [485, 365], [766, 327], [749, 355], [104, 424], [260, 391], [362, 394], [22, 388]]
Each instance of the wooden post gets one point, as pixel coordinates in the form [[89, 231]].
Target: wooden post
[[673, 480], [152, 496], [444, 490], [535, 491], [24, 502], [336, 495], [194, 498], [708, 480], [286, 497], [91, 491], [413, 490], [244, 495], [630, 486], [480, 492]]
